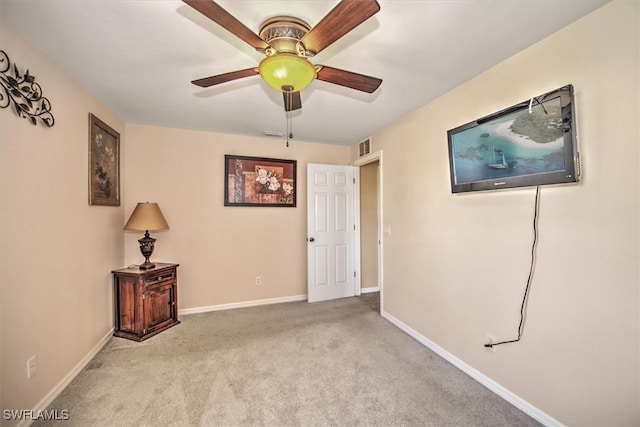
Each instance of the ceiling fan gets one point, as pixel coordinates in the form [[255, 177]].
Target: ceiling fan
[[288, 42]]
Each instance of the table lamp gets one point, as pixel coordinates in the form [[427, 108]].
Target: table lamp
[[146, 216]]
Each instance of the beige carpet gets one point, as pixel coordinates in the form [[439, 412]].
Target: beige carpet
[[336, 363]]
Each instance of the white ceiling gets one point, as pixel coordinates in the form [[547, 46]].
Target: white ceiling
[[138, 57]]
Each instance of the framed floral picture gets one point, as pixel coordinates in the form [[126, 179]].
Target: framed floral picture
[[104, 163], [257, 181]]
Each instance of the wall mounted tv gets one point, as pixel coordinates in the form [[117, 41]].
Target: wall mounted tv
[[528, 144]]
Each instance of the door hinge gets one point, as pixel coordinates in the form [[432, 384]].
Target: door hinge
[[354, 274], [354, 179], [354, 227]]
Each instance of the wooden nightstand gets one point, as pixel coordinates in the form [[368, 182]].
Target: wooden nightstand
[[145, 301]]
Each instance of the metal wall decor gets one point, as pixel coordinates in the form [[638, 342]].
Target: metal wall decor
[[25, 94]]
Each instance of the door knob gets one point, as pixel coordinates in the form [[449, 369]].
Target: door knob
[[311, 239]]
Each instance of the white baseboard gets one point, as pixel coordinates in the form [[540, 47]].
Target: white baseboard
[[501, 391], [243, 304], [55, 391], [370, 289]]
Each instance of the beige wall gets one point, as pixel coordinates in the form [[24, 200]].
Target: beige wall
[[220, 249], [56, 251], [369, 225], [455, 266]]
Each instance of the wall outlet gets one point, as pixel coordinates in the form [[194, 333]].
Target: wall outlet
[[31, 366], [258, 280], [490, 340]]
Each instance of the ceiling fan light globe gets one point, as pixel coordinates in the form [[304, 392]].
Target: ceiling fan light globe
[[287, 70]]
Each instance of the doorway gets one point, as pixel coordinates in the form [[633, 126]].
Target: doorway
[[369, 242], [369, 226]]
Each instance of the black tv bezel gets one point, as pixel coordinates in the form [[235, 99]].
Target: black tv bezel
[[570, 174]]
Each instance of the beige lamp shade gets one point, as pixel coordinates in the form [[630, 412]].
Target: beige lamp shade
[[147, 216]]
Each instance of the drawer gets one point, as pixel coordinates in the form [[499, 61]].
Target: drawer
[[159, 276]]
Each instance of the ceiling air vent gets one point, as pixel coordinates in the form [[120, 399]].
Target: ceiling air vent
[[364, 147]]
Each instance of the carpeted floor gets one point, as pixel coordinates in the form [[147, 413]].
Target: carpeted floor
[[335, 363]]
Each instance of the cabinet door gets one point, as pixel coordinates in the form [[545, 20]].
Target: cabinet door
[[159, 306]]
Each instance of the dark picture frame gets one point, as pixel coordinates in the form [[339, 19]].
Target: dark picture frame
[[259, 181], [104, 163]]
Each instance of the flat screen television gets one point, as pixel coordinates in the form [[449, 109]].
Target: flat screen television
[[528, 144]]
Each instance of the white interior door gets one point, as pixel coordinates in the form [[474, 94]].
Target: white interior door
[[330, 232]]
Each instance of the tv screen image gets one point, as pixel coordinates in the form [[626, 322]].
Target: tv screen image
[[530, 143]]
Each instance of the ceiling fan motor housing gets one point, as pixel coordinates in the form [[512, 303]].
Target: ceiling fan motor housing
[[283, 34]]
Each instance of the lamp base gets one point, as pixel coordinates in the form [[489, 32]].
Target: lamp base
[[147, 266], [146, 248]]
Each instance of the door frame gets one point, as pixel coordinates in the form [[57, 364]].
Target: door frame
[[362, 161]]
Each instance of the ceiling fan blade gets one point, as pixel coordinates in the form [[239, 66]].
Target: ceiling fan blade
[[217, 14], [292, 101], [226, 77], [346, 16], [349, 79]]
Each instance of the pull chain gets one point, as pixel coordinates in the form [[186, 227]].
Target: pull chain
[[289, 127], [288, 116]]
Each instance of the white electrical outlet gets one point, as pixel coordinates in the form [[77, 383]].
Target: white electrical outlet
[[31, 366], [258, 280], [491, 340]]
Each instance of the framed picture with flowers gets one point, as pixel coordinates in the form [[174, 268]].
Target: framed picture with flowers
[[258, 181], [104, 163]]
